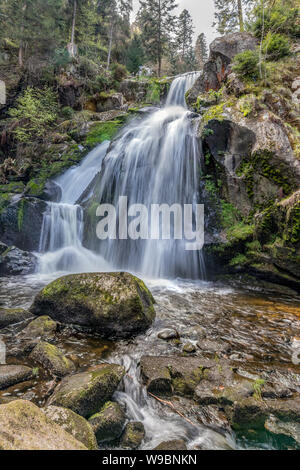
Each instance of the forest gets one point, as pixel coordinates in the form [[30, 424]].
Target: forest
[[149, 225]]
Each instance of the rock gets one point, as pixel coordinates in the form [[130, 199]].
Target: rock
[[74, 424], [15, 262], [51, 192], [213, 347], [134, 90], [165, 376], [21, 223], [10, 316], [133, 436], [168, 334], [109, 423], [234, 85], [11, 375], [112, 304], [23, 426], [189, 348], [109, 102], [172, 445], [222, 51], [86, 392], [42, 327], [290, 429], [52, 359]]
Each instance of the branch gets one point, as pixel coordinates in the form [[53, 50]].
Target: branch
[[170, 405]]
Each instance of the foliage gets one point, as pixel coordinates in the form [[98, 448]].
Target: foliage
[[36, 110], [229, 14], [239, 260], [119, 72], [257, 388], [246, 64], [278, 17], [201, 50], [275, 46], [135, 56]]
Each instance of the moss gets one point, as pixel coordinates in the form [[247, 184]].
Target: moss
[[240, 231], [239, 260], [102, 131], [15, 187], [21, 214], [213, 113], [35, 187], [5, 199]]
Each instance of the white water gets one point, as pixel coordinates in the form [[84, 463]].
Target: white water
[[179, 87]]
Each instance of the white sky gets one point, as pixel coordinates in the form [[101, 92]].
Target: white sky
[[202, 12]]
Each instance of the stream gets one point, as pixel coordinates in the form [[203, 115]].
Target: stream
[[259, 326]]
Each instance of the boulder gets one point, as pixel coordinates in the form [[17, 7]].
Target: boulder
[[109, 423], [23, 426], [134, 90], [111, 304], [172, 445], [107, 102], [10, 316], [15, 262], [42, 327], [189, 348], [49, 191], [21, 223], [11, 375], [222, 51], [133, 436], [86, 392], [52, 359], [168, 334], [74, 424]]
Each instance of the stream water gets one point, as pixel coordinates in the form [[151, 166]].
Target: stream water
[[155, 159]]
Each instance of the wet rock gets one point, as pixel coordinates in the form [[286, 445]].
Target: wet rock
[[165, 376], [189, 348], [35, 431], [51, 192], [213, 347], [86, 392], [10, 316], [21, 223], [168, 334], [112, 304], [133, 436], [11, 375], [42, 327], [109, 423], [248, 414], [52, 359], [172, 445], [74, 424], [290, 429], [110, 101], [15, 262]]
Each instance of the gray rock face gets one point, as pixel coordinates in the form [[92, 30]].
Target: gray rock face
[[109, 423], [172, 445], [11, 375], [222, 51], [14, 262], [52, 359], [52, 192], [168, 334], [133, 436], [113, 101], [111, 304], [21, 223], [10, 316], [86, 392], [42, 327]]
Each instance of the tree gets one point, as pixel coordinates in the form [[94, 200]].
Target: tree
[[119, 11], [157, 25], [230, 14], [185, 32], [201, 50], [135, 56]]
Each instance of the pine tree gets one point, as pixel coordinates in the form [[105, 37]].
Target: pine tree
[[157, 24], [185, 31], [201, 50], [230, 14], [135, 56]]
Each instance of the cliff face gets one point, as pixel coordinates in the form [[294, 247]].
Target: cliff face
[[249, 133]]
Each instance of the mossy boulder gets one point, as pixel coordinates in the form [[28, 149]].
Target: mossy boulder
[[14, 262], [86, 392], [10, 316], [11, 375], [52, 359], [74, 424], [23, 426], [115, 305], [109, 423], [42, 327], [133, 436], [172, 445]]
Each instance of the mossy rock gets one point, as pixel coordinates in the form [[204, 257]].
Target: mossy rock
[[109, 423], [10, 316], [172, 445], [42, 327], [86, 393], [115, 305], [52, 359], [74, 424], [11, 375], [133, 436], [28, 428]]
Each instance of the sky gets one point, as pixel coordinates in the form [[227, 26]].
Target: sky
[[202, 12]]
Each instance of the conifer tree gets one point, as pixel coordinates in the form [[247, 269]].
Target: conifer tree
[[230, 14], [201, 50]]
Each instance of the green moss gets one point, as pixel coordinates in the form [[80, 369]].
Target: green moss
[[257, 388], [239, 260], [214, 113], [35, 187], [240, 231], [229, 215], [21, 214], [15, 187], [102, 131]]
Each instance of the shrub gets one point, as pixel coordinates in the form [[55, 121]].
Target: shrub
[[67, 112], [36, 110], [119, 72], [279, 19], [61, 58], [276, 46], [246, 64], [87, 68]]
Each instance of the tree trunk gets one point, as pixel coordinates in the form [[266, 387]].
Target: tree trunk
[[21, 48], [241, 16], [261, 39], [72, 48], [110, 44], [159, 41]]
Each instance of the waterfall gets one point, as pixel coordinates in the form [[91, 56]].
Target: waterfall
[[155, 160]]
